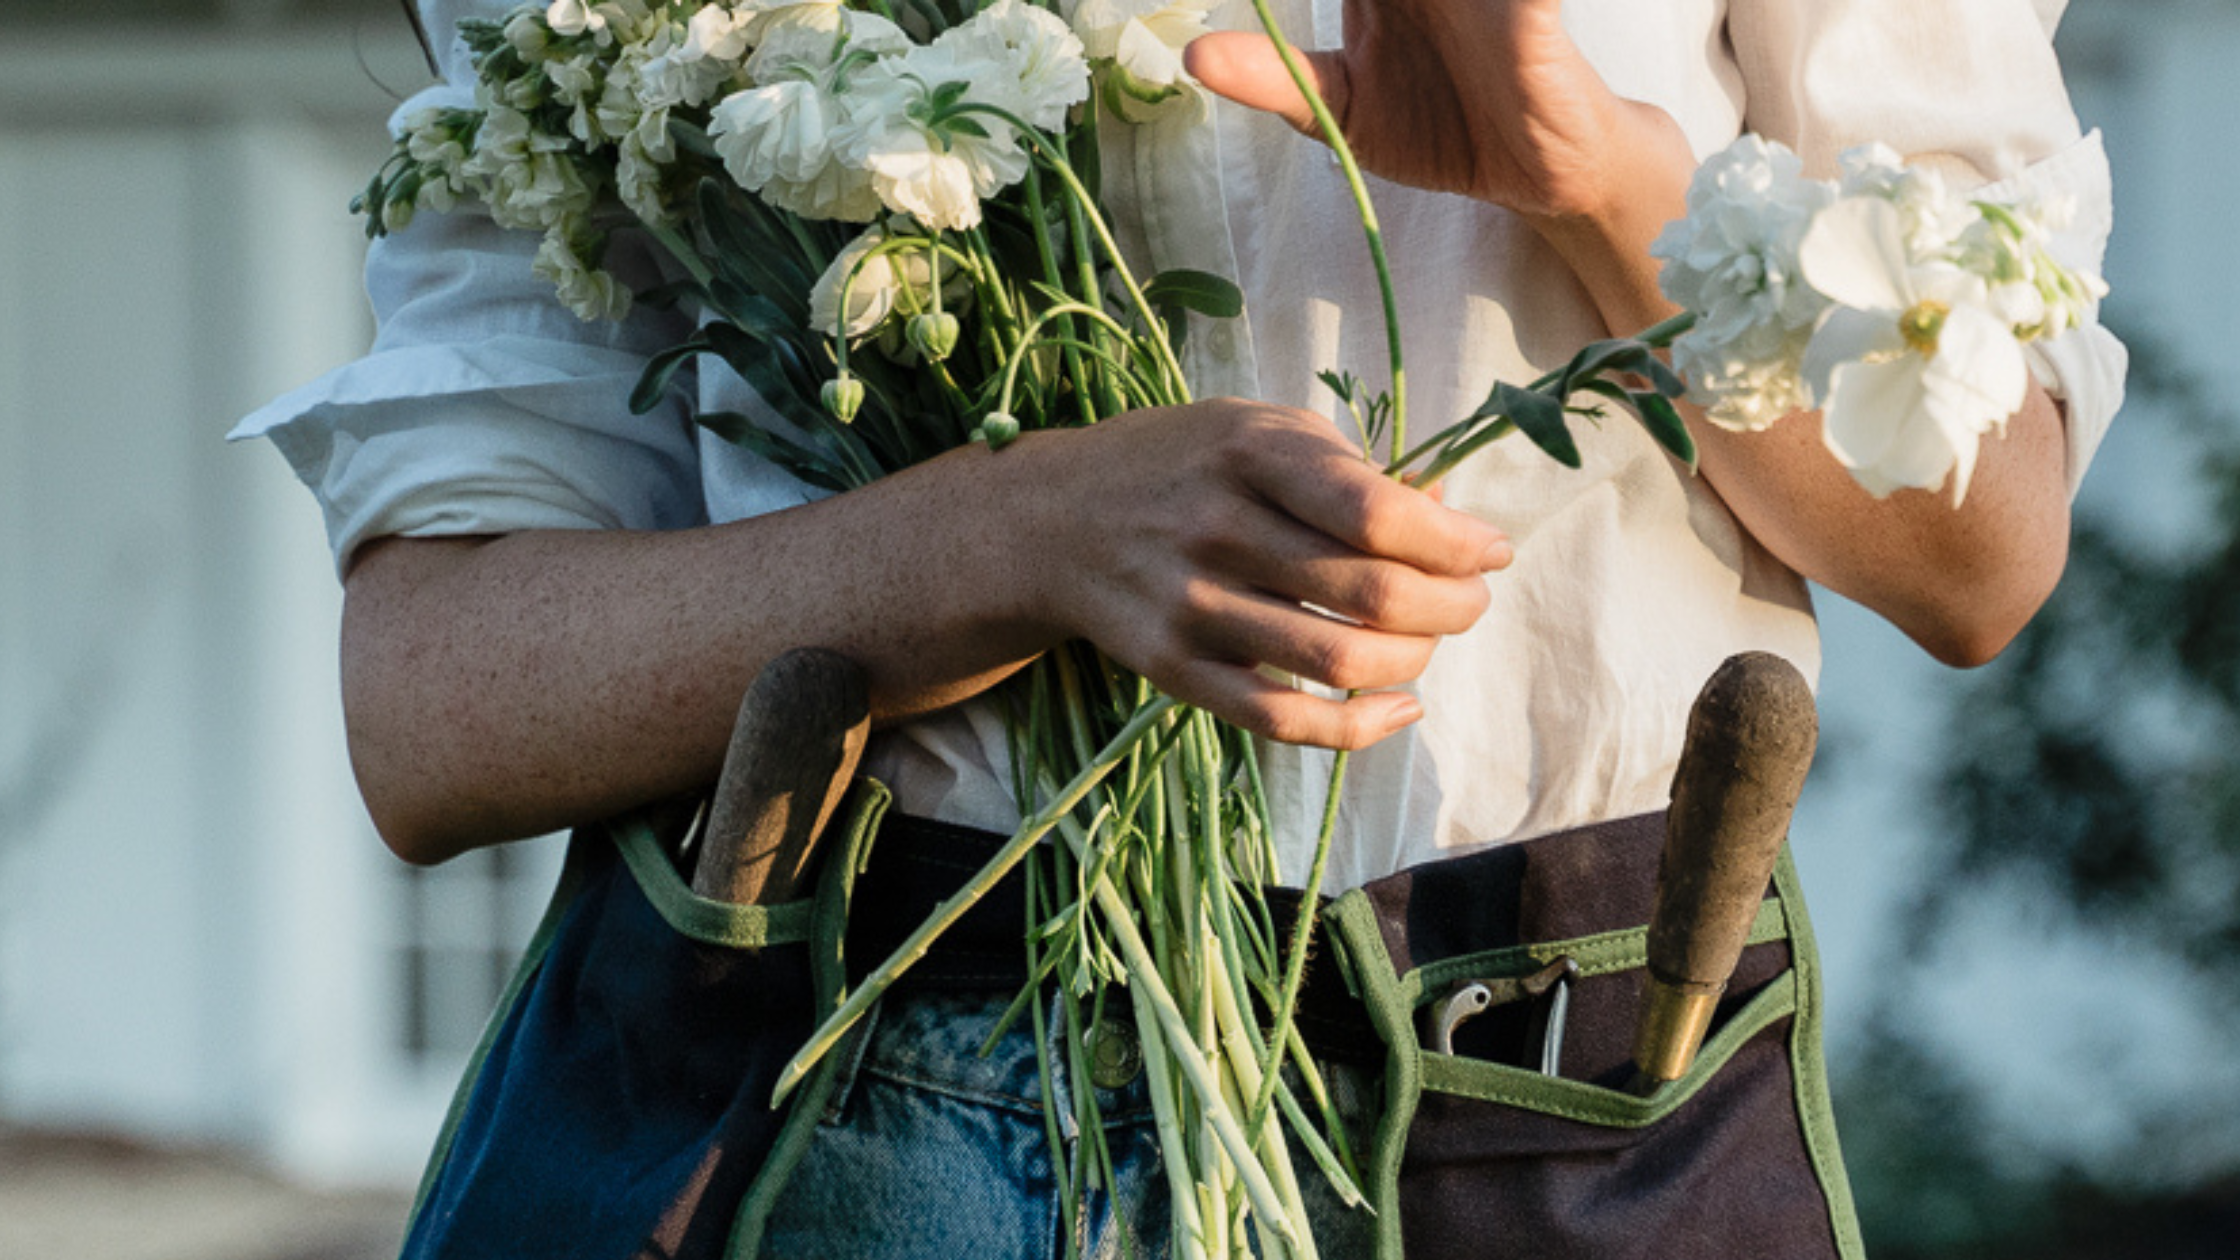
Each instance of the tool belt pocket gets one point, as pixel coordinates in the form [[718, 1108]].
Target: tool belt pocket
[[620, 1101], [1505, 988]]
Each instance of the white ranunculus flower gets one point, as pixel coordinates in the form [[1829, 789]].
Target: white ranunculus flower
[[776, 140], [877, 290], [1019, 57], [1911, 366], [1145, 38], [782, 138], [1733, 261], [919, 175]]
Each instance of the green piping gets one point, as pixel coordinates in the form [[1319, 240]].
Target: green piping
[[699, 918], [1602, 954], [1809, 1067]]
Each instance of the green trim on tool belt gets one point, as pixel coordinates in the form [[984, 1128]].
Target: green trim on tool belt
[[845, 856], [699, 918], [1595, 1104], [1391, 1000], [1603, 954], [1391, 1007], [580, 848], [1809, 1068]]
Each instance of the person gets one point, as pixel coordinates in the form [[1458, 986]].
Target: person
[[553, 605]]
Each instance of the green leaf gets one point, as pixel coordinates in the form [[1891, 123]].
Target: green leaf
[[1655, 412], [1623, 355], [754, 249], [817, 469], [660, 370], [1663, 421], [1199, 291], [1538, 417], [948, 94]]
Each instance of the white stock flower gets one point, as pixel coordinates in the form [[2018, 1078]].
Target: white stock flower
[[717, 33], [532, 180], [574, 17], [690, 63], [1931, 216], [780, 138], [1911, 366], [1142, 38], [588, 291], [2012, 248], [877, 290], [1733, 261]]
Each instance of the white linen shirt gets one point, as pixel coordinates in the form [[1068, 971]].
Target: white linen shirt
[[485, 407]]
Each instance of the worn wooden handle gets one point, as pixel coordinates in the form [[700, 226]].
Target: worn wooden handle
[[1750, 740], [801, 729]]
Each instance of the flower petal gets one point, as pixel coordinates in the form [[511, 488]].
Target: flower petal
[[1855, 252], [1848, 336], [1878, 424]]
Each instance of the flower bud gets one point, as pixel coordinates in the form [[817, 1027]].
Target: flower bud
[[933, 334], [998, 430], [843, 397]]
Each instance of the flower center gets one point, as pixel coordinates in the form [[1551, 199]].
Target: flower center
[[1921, 324]]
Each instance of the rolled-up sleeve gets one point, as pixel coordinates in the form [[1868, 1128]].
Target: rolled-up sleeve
[[484, 405], [1969, 86]]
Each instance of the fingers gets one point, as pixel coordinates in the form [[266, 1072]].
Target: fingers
[[1246, 68], [1306, 472], [1243, 697], [1268, 551]]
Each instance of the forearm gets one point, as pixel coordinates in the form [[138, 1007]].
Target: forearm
[[502, 687], [1961, 582]]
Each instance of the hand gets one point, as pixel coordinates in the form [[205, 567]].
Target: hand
[[1488, 98], [1190, 542]]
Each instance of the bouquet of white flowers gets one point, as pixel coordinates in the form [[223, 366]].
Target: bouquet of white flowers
[[886, 217]]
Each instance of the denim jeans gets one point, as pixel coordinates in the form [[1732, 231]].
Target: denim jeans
[[929, 1150]]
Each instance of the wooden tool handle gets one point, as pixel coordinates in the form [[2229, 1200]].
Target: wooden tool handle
[[1750, 740], [801, 729]]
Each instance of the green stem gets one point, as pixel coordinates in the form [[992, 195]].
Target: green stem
[[948, 912], [1332, 135], [1453, 450], [1302, 933]]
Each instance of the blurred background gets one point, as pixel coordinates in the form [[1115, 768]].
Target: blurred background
[[229, 1022]]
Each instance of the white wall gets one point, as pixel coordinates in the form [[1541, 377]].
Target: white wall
[[193, 912]]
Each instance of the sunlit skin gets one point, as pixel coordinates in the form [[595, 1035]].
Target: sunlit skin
[[498, 687]]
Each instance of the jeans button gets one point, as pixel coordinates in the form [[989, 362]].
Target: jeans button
[[1115, 1056]]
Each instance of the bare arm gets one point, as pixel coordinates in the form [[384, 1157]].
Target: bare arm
[[499, 687], [1492, 100]]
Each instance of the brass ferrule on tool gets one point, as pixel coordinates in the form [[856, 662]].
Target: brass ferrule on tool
[[1674, 1019]]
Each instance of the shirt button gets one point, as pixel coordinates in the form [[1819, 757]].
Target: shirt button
[[1115, 1056], [1221, 342]]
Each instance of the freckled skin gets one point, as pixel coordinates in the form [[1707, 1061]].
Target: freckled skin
[[501, 687]]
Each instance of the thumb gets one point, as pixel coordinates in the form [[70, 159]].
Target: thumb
[[1245, 68]]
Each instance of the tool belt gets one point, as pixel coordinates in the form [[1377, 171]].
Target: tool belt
[[619, 1103]]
